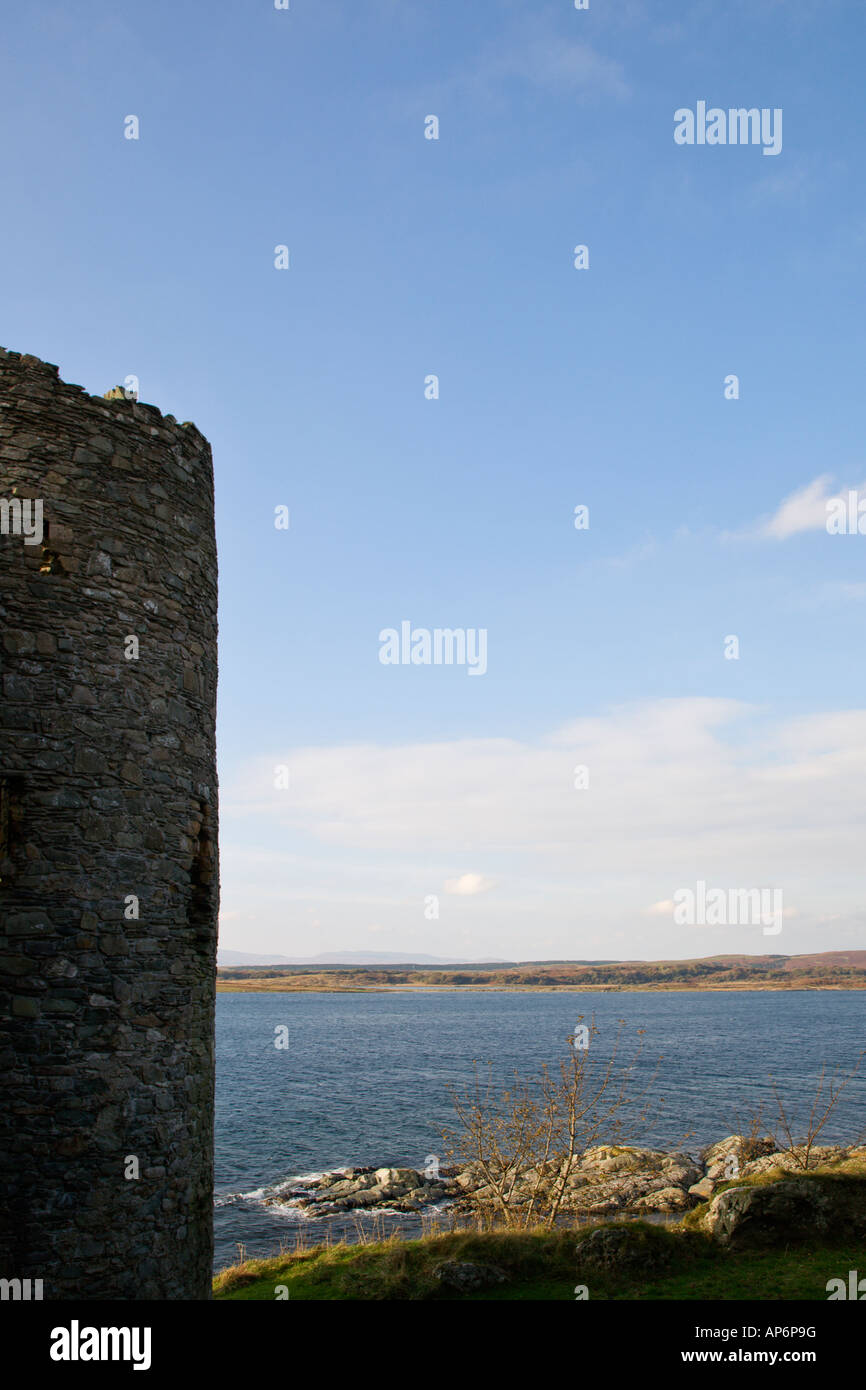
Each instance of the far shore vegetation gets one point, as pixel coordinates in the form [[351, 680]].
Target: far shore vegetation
[[827, 970]]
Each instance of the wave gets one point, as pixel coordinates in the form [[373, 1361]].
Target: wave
[[302, 1181]]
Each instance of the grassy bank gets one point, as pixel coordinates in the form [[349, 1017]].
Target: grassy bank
[[679, 1262], [540, 1265]]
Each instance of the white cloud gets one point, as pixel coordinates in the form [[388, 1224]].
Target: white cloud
[[468, 884], [678, 790], [803, 510]]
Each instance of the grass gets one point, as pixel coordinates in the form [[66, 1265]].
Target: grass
[[677, 1263], [671, 1264]]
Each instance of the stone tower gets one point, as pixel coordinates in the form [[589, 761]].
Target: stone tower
[[108, 825]]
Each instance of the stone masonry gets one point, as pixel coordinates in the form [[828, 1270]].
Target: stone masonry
[[108, 843]]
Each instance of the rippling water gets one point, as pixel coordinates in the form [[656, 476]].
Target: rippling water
[[364, 1078]]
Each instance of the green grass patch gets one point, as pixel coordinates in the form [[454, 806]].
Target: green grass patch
[[674, 1263], [670, 1264]]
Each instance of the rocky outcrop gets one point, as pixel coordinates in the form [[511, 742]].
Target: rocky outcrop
[[789, 1210], [608, 1181], [398, 1189]]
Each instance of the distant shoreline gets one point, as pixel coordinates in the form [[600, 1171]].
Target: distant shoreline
[[285, 986], [825, 970]]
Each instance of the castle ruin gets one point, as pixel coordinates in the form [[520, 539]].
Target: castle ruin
[[108, 858]]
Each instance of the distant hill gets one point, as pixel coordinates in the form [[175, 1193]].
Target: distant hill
[[226, 957], [828, 959], [371, 970]]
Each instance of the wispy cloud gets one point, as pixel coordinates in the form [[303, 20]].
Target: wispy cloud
[[836, 591], [641, 550], [803, 510], [566, 66], [663, 909], [537, 55], [678, 790]]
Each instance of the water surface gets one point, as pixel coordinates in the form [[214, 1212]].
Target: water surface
[[365, 1077]]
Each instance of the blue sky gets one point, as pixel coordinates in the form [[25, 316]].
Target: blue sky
[[558, 387]]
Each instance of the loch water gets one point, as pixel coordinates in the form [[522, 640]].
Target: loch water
[[364, 1079]]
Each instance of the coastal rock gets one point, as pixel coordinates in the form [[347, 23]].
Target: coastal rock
[[367, 1198], [703, 1190], [664, 1199], [609, 1159], [470, 1176], [420, 1194], [681, 1160], [601, 1199], [791, 1209], [682, 1173], [721, 1171], [435, 1193], [608, 1180], [793, 1162], [745, 1147], [633, 1192], [404, 1189], [405, 1177], [678, 1169], [350, 1187]]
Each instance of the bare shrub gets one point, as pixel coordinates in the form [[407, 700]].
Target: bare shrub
[[524, 1143], [829, 1090], [788, 1134]]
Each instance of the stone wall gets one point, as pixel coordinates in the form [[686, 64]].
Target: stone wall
[[108, 824]]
